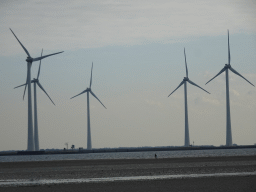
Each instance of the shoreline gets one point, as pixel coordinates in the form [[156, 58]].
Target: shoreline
[[80, 162], [114, 150]]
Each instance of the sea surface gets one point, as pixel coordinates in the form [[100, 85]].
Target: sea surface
[[132, 155]]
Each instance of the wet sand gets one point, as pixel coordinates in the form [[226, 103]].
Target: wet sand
[[77, 169]]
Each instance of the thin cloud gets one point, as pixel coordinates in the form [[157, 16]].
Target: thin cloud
[[83, 24], [154, 103], [212, 101]]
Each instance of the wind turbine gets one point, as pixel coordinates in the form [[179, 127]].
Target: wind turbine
[[36, 82], [30, 60], [88, 90], [185, 80], [226, 68]]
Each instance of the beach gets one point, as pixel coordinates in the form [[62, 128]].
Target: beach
[[209, 174]]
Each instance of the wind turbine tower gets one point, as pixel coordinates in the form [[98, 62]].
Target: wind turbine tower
[[36, 82], [30, 60], [88, 90], [185, 80], [228, 116]]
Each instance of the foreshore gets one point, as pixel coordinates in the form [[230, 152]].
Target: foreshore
[[82, 169]]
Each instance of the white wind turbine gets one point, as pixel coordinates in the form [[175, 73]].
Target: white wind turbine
[[88, 90], [226, 68], [36, 82], [30, 60], [185, 80]]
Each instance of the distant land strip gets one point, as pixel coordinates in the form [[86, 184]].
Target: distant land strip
[[121, 149]]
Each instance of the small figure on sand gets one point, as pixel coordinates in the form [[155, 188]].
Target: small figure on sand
[[155, 156]]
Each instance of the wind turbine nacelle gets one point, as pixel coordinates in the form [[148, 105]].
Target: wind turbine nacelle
[[34, 80], [29, 59], [185, 79], [227, 65]]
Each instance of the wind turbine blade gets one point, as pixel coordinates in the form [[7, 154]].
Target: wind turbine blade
[[45, 92], [192, 83], [177, 87], [79, 94], [25, 91], [91, 76], [186, 62], [39, 65], [39, 58], [234, 71], [20, 86], [25, 88], [20, 43], [221, 71], [97, 98], [229, 58]]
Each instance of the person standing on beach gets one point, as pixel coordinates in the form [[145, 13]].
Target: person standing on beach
[[155, 156]]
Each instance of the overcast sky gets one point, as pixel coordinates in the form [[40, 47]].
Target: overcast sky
[[137, 51]]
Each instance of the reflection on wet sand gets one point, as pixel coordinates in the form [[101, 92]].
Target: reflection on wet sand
[[31, 182]]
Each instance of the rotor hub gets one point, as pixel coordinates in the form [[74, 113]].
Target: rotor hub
[[227, 65], [29, 59], [34, 80], [185, 79]]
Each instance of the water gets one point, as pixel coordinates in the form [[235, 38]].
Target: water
[[132, 155]]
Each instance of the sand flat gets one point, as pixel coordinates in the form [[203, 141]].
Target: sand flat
[[77, 169]]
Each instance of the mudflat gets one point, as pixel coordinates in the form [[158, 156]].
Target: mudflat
[[79, 169]]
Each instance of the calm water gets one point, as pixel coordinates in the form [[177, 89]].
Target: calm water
[[131, 155]]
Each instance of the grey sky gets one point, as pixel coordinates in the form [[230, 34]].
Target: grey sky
[[79, 24], [137, 50]]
